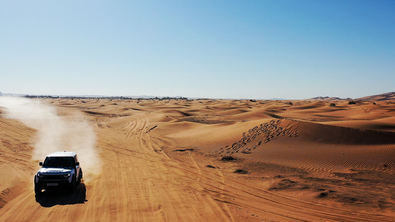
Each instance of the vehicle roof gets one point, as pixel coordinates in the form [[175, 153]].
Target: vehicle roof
[[62, 154]]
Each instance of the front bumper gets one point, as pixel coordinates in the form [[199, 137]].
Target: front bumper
[[52, 181]]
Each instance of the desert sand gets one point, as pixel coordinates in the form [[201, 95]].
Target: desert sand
[[216, 160]]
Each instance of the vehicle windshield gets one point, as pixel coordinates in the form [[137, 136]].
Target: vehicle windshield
[[59, 162]]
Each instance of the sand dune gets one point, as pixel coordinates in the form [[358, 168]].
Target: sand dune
[[216, 160], [381, 97]]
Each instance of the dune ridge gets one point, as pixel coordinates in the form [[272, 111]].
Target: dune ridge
[[266, 132]]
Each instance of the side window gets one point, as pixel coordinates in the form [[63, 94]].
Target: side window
[[45, 161]]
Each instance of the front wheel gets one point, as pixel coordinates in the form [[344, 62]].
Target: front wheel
[[79, 177], [37, 188], [72, 185]]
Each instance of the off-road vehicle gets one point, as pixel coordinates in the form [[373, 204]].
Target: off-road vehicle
[[59, 170]]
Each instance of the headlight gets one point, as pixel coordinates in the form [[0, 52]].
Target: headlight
[[39, 175], [67, 175]]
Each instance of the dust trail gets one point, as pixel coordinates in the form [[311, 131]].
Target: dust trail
[[54, 132]]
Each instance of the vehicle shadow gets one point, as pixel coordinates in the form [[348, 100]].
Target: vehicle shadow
[[51, 198]]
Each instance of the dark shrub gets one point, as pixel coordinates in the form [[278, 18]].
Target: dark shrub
[[240, 171], [323, 194], [228, 158]]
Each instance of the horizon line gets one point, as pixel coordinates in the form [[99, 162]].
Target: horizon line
[[170, 97]]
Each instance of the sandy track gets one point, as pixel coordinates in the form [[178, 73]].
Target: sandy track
[[136, 184]]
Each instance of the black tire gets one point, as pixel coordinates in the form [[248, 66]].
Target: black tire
[[79, 177], [73, 182], [72, 185], [37, 188]]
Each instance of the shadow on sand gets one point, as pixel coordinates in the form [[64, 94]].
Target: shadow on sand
[[51, 198]]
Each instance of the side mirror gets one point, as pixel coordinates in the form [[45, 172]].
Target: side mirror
[[77, 163], [40, 163]]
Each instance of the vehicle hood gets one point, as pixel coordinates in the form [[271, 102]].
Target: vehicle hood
[[54, 171]]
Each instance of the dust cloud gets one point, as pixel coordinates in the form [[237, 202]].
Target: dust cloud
[[55, 132]]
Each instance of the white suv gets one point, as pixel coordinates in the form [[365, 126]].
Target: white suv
[[59, 170]]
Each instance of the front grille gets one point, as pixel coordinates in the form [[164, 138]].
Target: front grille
[[53, 177]]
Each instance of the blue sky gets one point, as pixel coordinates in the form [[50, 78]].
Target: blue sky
[[217, 49]]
